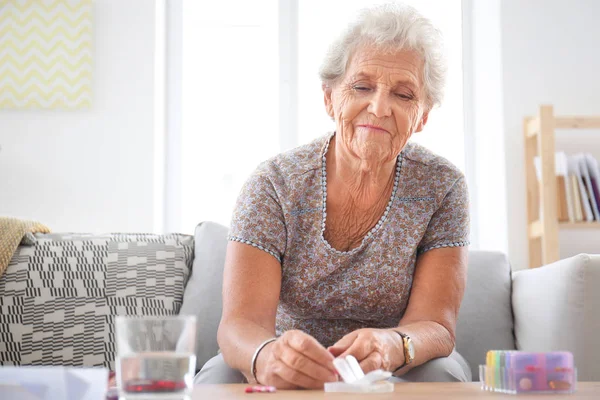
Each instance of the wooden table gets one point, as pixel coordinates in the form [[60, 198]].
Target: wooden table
[[404, 391]]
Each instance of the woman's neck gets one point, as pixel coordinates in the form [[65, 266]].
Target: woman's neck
[[364, 183]]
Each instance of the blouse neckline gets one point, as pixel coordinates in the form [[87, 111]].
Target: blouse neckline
[[379, 223]]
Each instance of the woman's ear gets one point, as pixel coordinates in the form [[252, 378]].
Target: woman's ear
[[327, 99], [423, 121]]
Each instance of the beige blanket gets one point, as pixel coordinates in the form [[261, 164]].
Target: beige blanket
[[12, 231]]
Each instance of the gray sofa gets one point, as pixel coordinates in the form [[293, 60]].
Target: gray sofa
[[549, 308]]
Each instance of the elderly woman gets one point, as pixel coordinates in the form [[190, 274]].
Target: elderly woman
[[356, 242]]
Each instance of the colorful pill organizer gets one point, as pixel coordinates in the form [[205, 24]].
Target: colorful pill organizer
[[526, 372]]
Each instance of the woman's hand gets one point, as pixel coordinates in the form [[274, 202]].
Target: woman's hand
[[295, 360], [373, 348]]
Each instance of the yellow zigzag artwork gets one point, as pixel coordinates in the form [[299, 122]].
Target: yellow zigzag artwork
[[45, 53]]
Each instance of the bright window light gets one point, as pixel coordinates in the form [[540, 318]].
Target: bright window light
[[230, 91]]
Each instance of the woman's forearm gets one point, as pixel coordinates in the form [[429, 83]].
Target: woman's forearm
[[430, 340], [238, 340]]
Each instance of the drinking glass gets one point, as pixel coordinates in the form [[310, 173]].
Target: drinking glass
[[155, 357]]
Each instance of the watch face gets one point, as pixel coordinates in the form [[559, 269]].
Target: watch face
[[411, 349]]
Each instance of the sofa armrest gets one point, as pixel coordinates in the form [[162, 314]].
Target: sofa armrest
[[556, 308], [202, 296]]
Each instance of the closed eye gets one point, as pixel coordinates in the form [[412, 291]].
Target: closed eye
[[404, 96], [361, 88]]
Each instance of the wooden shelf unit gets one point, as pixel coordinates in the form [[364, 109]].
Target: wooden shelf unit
[[579, 225], [542, 208]]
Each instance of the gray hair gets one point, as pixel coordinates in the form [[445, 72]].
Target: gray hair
[[391, 27]]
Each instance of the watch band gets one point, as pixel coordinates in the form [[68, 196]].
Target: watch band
[[406, 362]]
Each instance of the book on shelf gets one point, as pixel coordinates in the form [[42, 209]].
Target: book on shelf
[[585, 176], [578, 186], [594, 173], [565, 207], [576, 204], [575, 175]]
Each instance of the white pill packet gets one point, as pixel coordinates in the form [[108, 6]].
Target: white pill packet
[[355, 380]]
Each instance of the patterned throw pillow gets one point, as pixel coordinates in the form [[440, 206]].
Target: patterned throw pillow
[[59, 296]]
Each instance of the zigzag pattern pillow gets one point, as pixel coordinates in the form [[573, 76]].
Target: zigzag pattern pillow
[[59, 296]]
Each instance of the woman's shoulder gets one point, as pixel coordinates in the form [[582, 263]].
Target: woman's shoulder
[[424, 162], [294, 162]]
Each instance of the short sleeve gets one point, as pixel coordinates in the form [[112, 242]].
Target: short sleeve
[[258, 218], [449, 225]]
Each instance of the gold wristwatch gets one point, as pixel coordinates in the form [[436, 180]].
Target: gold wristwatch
[[409, 349]]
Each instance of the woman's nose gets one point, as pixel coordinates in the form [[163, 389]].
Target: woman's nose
[[380, 104]]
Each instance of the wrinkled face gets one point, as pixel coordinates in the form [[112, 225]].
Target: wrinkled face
[[378, 104]]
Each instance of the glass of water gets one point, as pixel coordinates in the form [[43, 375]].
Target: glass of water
[[155, 357]]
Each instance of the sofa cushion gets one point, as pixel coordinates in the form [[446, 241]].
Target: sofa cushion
[[203, 296], [485, 319], [59, 297], [561, 298]]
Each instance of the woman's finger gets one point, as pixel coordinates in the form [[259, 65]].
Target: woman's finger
[[372, 362], [306, 366], [309, 347], [335, 350], [280, 383], [360, 348], [343, 344], [295, 378]]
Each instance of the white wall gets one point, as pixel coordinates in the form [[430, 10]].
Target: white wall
[[94, 171], [550, 55], [91, 171]]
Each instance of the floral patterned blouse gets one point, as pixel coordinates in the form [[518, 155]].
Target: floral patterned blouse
[[328, 293]]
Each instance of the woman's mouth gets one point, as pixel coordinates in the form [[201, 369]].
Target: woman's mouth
[[372, 127]]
